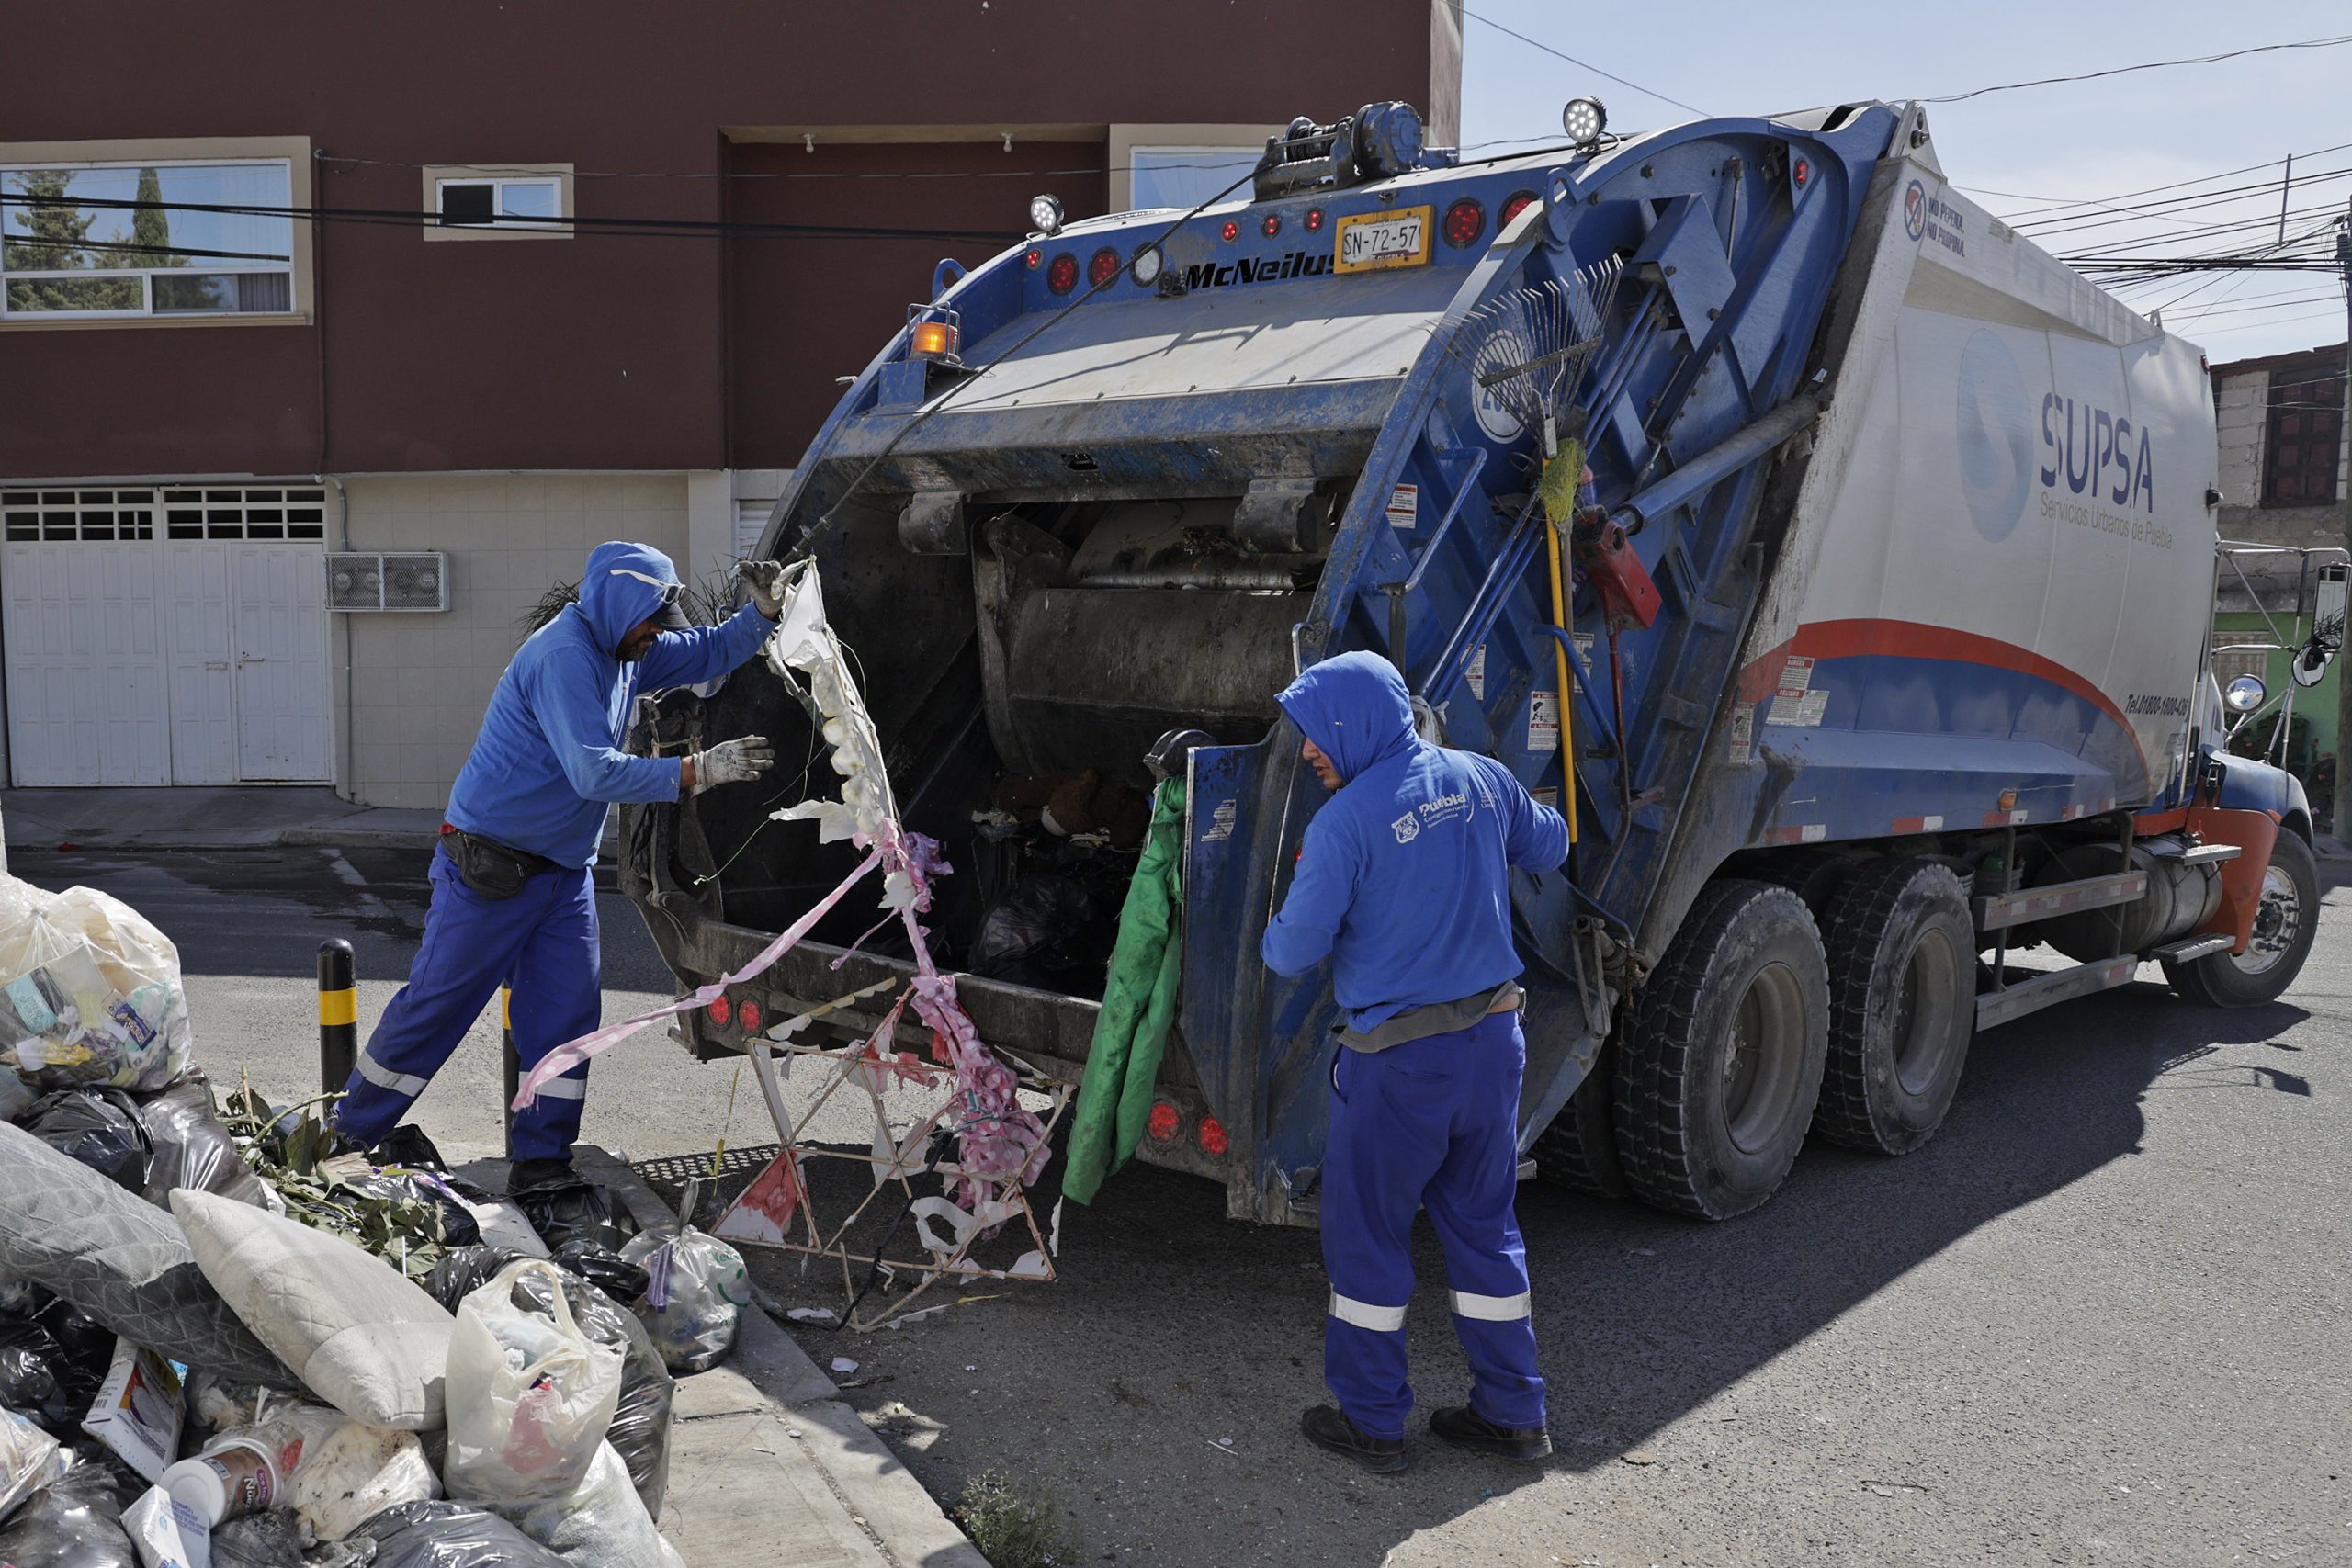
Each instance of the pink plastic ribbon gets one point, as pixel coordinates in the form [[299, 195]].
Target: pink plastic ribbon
[[571, 1052]]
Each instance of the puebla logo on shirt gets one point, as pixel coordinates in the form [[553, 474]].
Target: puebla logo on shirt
[[1408, 827]]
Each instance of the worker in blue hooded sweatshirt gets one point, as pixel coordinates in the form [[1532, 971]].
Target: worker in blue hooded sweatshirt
[[1403, 882], [512, 899]]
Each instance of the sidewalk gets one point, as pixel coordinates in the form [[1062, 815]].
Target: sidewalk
[[197, 817]]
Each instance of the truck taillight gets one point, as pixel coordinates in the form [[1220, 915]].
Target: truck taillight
[[1272, 225], [1061, 273], [722, 1012], [1514, 207], [747, 1013], [1034, 259], [1212, 1137], [1801, 173], [1230, 232], [1104, 267], [1465, 221], [1164, 1122], [1314, 219]]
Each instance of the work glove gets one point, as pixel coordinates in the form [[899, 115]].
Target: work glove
[[733, 761], [768, 580]]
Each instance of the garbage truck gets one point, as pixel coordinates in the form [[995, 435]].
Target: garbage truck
[[1867, 643]]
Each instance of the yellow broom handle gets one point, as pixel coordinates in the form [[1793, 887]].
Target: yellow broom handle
[[1560, 658]]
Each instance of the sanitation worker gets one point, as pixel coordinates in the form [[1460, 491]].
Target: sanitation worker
[[1404, 884], [512, 899]]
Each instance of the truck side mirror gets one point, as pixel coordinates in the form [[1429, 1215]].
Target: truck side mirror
[[2245, 694]]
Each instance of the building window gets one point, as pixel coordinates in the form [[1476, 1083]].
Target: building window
[[1187, 176], [117, 240], [86, 516], [498, 201], [2304, 434], [503, 204]]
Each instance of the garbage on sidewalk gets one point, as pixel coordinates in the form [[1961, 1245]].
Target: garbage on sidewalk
[[216, 1345]]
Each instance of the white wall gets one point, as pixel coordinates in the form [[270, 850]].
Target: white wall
[[417, 684], [2238, 410]]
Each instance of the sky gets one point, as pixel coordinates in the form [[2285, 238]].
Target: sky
[[2015, 153]]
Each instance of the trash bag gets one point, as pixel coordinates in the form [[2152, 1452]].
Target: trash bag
[[564, 1212], [450, 1535], [98, 1127], [40, 1380], [29, 1460], [89, 991], [603, 1267], [452, 1222], [407, 1146], [696, 1290], [193, 1149], [271, 1540], [356, 1470], [14, 1095], [1046, 932], [599, 1524], [73, 1522], [528, 1394], [21, 1300]]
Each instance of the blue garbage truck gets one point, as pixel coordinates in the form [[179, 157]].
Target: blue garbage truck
[[1842, 563]]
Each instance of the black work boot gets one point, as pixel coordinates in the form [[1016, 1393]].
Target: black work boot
[[1329, 1428], [1464, 1427]]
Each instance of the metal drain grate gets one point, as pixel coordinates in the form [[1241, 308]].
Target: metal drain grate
[[675, 1171]]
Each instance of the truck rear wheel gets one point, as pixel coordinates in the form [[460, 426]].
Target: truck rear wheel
[[1902, 1005], [1578, 1151], [2284, 926], [1720, 1064]]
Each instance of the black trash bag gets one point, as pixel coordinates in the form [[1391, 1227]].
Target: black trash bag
[[21, 1301], [75, 1521], [86, 1341], [44, 1384], [605, 1268], [407, 1145], [457, 1226], [573, 1210], [1046, 932], [450, 1535], [100, 1127], [193, 1149], [640, 1428], [272, 1540]]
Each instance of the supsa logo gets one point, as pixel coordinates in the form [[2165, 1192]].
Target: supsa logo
[[1268, 269]]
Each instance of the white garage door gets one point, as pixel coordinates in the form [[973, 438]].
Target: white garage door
[[165, 637]]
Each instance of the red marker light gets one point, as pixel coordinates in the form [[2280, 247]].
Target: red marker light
[[1314, 218], [1163, 1123], [1516, 204], [1062, 277], [1801, 173], [1212, 1136], [722, 1012], [1035, 258], [1231, 230], [1104, 267], [1272, 225], [1465, 221], [748, 1015]]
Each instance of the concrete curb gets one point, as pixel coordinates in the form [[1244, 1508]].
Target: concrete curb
[[770, 1466]]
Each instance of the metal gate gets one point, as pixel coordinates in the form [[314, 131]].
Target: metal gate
[[174, 635]]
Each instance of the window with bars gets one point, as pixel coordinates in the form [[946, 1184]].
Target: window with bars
[[210, 511], [2305, 434]]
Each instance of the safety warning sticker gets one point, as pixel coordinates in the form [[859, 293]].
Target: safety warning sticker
[[1404, 506], [1544, 721], [1796, 677], [1476, 674], [1803, 709], [1548, 795], [1221, 822], [1743, 732]]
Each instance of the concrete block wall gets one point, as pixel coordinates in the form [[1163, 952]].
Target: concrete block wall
[[409, 690], [2238, 406]]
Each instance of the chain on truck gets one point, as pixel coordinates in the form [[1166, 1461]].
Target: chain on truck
[[1878, 654]]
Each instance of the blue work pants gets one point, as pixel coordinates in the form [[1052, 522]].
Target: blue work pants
[[1428, 1124], [543, 944]]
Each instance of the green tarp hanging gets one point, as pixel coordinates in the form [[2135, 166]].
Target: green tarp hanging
[[1138, 1004]]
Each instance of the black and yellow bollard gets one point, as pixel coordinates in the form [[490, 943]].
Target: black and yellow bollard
[[338, 1015], [513, 1067]]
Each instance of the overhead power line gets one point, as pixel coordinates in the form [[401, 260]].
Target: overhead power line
[[1463, 10], [2145, 65]]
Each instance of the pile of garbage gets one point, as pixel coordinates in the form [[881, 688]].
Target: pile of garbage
[[227, 1343]]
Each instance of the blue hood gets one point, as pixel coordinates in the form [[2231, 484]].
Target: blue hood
[[1355, 707], [615, 593]]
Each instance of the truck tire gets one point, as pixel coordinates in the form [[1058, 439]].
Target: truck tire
[[1902, 1005], [1578, 1151], [2283, 927], [1720, 1064]]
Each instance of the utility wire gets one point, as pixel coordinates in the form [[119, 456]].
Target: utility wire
[[2146, 65], [1463, 10]]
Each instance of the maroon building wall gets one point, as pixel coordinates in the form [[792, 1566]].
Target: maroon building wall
[[607, 351]]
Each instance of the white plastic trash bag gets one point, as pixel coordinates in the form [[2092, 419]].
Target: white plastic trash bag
[[529, 1393], [601, 1523], [30, 1459], [695, 1294], [89, 991]]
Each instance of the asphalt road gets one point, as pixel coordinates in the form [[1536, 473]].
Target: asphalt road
[[2099, 1320]]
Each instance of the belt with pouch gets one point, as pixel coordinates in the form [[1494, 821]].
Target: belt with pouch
[[489, 867]]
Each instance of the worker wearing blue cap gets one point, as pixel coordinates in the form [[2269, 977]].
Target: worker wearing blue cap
[[512, 899], [1404, 884]]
